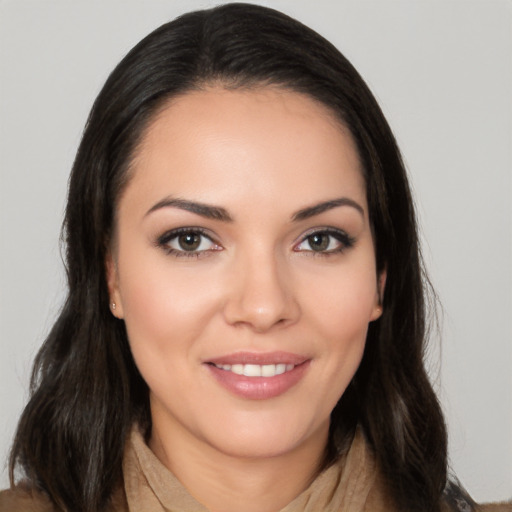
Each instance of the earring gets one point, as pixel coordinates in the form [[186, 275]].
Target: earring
[[113, 306]]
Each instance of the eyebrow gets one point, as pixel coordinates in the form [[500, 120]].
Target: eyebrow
[[319, 208], [221, 214], [202, 209]]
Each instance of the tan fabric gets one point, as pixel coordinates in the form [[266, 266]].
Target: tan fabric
[[347, 487], [353, 485], [22, 500]]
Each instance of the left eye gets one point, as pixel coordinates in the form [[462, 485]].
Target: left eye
[[325, 242]]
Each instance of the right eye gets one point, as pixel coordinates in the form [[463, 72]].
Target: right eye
[[187, 242]]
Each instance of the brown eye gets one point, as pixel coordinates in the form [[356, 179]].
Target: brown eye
[[326, 241], [319, 241], [189, 241]]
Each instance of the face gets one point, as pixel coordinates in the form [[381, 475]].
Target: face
[[244, 269]]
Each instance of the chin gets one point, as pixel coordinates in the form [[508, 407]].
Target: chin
[[263, 438], [255, 447]]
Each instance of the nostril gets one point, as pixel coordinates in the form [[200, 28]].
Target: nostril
[[260, 299]]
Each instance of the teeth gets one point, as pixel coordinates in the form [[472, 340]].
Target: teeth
[[268, 370], [256, 370], [238, 369], [252, 370]]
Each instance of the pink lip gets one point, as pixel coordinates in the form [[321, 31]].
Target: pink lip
[[259, 358], [258, 388]]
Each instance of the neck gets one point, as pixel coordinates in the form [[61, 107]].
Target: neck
[[225, 482]]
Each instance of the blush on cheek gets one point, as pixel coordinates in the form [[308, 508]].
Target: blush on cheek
[[348, 311]]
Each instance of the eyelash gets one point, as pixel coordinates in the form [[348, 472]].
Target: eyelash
[[164, 240], [345, 242]]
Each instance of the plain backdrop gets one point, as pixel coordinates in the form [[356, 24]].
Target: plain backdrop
[[442, 71]]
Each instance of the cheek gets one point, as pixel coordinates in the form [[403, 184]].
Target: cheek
[[342, 301], [340, 309], [165, 310]]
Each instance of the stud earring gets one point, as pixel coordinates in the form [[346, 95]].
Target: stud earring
[[113, 306]]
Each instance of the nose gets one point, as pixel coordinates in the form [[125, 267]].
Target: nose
[[261, 295]]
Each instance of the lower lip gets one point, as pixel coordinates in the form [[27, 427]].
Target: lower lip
[[259, 388]]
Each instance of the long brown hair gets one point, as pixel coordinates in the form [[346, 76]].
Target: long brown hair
[[86, 391]]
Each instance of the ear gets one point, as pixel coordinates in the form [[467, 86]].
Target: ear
[[379, 295], [111, 273]]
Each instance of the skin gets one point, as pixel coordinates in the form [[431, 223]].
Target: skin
[[255, 284]]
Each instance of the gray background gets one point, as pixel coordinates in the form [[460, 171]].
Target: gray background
[[442, 71]]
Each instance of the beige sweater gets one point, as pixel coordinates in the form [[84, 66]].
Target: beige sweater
[[348, 487], [353, 485]]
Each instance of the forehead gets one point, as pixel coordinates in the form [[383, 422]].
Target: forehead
[[266, 143]]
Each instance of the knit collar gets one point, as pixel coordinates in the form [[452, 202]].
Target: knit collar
[[151, 487]]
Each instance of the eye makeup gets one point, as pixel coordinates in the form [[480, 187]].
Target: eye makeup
[[188, 242], [195, 242], [325, 241]]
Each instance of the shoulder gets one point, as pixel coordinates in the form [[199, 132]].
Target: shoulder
[[21, 499]]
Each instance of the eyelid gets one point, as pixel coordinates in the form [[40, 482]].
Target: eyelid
[[346, 241], [163, 241]]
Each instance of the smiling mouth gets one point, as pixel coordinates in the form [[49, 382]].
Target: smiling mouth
[[258, 376], [256, 370]]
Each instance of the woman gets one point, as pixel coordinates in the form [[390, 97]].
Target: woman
[[246, 297]]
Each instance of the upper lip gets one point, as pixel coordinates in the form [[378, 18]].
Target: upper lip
[[261, 358]]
